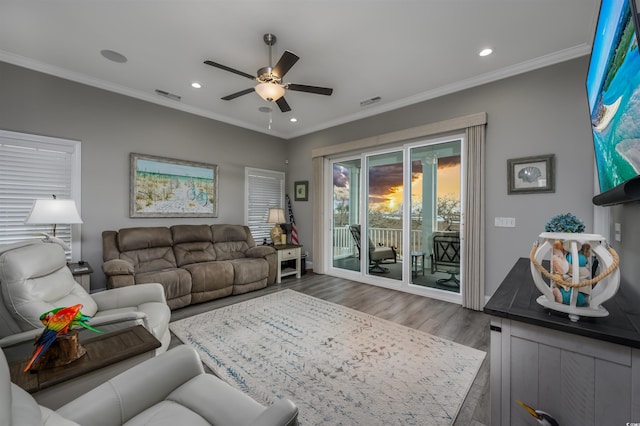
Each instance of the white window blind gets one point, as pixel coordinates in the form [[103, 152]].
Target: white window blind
[[34, 167], [263, 189]]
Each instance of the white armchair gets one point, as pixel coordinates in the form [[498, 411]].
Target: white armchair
[[34, 279], [170, 389]]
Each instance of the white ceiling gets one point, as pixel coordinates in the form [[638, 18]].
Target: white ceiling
[[404, 51]]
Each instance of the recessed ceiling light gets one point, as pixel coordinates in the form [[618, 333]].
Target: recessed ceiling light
[[486, 52], [293, 120], [196, 85], [114, 56]]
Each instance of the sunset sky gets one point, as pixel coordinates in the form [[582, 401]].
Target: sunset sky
[[385, 182]]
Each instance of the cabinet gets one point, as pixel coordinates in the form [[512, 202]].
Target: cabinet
[[286, 253], [582, 373], [580, 381]]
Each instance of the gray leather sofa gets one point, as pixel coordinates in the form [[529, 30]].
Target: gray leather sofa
[[34, 278], [194, 263], [170, 389]]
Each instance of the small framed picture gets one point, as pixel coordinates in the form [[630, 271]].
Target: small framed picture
[[531, 174], [301, 190]]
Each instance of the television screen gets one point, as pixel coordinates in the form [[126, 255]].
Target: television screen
[[613, 89]]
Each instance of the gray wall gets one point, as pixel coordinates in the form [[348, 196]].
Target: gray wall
[[540, 112], [110, 126], [628, 248]]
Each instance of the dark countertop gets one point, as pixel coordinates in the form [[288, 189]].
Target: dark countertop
[[516, 297]]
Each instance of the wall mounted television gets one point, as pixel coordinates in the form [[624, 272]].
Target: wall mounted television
[[613, 90]]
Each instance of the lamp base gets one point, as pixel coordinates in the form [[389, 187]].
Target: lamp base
[[276, 234]]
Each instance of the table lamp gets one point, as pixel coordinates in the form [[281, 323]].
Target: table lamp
[[276, 216], [53, 211]]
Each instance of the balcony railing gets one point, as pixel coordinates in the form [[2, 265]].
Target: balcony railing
[[344, 245]]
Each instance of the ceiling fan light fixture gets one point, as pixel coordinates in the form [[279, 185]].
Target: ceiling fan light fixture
[[270, 92]]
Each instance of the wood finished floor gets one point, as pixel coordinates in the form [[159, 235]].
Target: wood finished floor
[[443, 319]]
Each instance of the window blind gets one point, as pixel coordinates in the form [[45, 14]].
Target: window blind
[[34, 167], [264, 189]]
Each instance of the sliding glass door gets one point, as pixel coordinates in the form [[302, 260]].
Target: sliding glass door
[[385, 202], [435, 215], [396, 216], [346, 214]]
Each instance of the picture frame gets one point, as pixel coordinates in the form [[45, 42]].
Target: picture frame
[[301, 190], [530, 175], [167, 187]]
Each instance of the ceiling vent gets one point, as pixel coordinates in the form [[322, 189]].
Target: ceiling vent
[[168, 95], [370, 101]]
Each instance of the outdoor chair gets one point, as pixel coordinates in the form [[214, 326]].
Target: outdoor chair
[[377, 253], [446, 256]]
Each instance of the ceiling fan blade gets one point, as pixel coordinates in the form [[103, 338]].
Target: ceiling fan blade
[[310, 89], [237, 94], [285, 63], [226, 68], [283, 105]]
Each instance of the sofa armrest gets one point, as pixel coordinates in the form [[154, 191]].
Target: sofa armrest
[[135, 390], [259, 251], [118, 267], [283, 412], [129, 296], [269, 254]]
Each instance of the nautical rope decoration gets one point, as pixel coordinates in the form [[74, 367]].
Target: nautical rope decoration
[[559, 280]]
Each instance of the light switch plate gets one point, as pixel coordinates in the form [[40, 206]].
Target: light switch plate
[[505, 222]]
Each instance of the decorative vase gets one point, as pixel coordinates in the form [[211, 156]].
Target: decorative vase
[[570, 285]]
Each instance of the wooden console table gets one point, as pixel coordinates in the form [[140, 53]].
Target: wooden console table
[[107, 355]]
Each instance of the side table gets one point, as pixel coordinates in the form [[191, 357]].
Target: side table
[[82, 274], [415, 255], [287, 252], [107, 355]]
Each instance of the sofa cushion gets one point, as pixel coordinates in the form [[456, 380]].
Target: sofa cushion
[[249, 270], [151, 259], [191, 233], [144, 237], [176, 283], [196, 252], [210, 280], [230, 250]]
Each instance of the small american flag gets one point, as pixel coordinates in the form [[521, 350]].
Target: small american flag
[[292, 221]]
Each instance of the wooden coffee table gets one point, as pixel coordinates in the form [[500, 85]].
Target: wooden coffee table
[[107, 355]]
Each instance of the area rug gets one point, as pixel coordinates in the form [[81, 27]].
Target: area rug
[[339, 366]]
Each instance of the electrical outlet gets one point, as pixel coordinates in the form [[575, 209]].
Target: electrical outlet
[[618, 231]]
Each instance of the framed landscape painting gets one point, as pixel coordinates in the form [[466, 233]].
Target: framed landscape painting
[[165, 187]]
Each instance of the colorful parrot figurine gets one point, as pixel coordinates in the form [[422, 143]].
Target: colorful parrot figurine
[[57, 323], [80, 319]]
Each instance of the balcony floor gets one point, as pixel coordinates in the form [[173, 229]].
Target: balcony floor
[[395, 272]]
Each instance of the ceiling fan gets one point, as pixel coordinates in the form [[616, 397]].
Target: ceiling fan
[[270, 86]]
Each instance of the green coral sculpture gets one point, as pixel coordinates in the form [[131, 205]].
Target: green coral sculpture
[[565, 223]]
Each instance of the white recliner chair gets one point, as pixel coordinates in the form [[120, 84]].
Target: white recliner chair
[[170, 389], [34, 278]]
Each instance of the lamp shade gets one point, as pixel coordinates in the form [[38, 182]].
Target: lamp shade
[[270, 92], [53, 211], [276, 215]]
